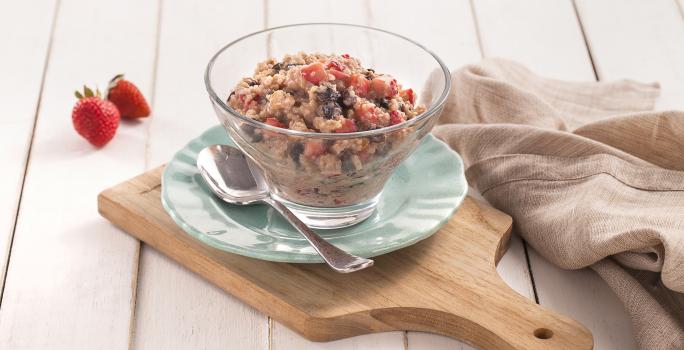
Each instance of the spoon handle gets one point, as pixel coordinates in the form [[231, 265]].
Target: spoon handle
[[336, 258]]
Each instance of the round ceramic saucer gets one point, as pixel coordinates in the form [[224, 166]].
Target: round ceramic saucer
[[419, 198]]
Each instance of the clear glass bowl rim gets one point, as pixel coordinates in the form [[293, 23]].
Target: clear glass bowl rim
[[433, 109]]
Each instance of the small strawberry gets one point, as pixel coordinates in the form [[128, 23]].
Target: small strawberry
[[94, 118], [127, 98]]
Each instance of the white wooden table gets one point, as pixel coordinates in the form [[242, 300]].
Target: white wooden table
[[70, 280]]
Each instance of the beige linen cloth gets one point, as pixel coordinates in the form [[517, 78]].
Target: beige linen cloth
[[591, 176]]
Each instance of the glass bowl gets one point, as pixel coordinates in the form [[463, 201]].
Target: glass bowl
[[342, 188]]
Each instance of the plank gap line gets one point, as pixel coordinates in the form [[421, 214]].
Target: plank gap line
[[134, 295], [369, 12], [152, 97], [270, 332], [680, 7], [586, 41], [476, 24], [529, 268], [153, 92], [265, 14], [46, 63]]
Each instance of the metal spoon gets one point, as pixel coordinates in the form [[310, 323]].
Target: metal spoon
[[237, 180]]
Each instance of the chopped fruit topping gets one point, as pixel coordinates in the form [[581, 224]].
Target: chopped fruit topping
[[275, 122], [360, 85], [396, 118], [346, 55], [314, 149], [247, 101], [407, 95], [314, 73], [341, 76], [347, 126], [367, 115], [334, 65], [318, 93], [384, 86]]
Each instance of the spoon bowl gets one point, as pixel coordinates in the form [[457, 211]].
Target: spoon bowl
[[235, 179], [227, 173]]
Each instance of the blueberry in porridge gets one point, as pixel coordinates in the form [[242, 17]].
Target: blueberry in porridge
[[327, 94]]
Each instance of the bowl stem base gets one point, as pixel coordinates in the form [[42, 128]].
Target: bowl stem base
[[332, 218]]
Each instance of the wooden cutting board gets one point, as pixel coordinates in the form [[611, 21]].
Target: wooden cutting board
[[446, 284]]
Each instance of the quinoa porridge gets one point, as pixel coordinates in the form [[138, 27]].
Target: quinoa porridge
[[324, 94]]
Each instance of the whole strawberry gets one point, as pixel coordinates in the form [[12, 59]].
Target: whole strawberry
[[127, 98], [94, 118]]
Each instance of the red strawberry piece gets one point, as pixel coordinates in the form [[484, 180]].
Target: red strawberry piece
[[346, 55], [347, 126], [407, 95], [247, 100], [314, 149], [393, 87], [384, 86], [396, 118], [341, 76], [314, 73], [360, 85], [334, 65], [126, 96], [366, 114], [275, 122], [94, 118]]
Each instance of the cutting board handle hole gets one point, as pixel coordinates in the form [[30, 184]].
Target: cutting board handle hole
[[543, 333]]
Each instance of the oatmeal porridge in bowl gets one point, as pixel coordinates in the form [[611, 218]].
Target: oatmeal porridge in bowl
[[326, 128]]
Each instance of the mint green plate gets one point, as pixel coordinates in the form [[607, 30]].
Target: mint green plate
[[421, 195]]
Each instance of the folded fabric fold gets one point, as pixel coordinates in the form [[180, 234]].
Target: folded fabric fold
[[592, 177]]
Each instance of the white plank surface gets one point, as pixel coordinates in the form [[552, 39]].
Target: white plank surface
[[69, 282], [26, 26], [71, 277], [542, 34], [176, 309], [640, 40]]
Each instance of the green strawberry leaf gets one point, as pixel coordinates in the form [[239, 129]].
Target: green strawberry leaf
[[88, 91]]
